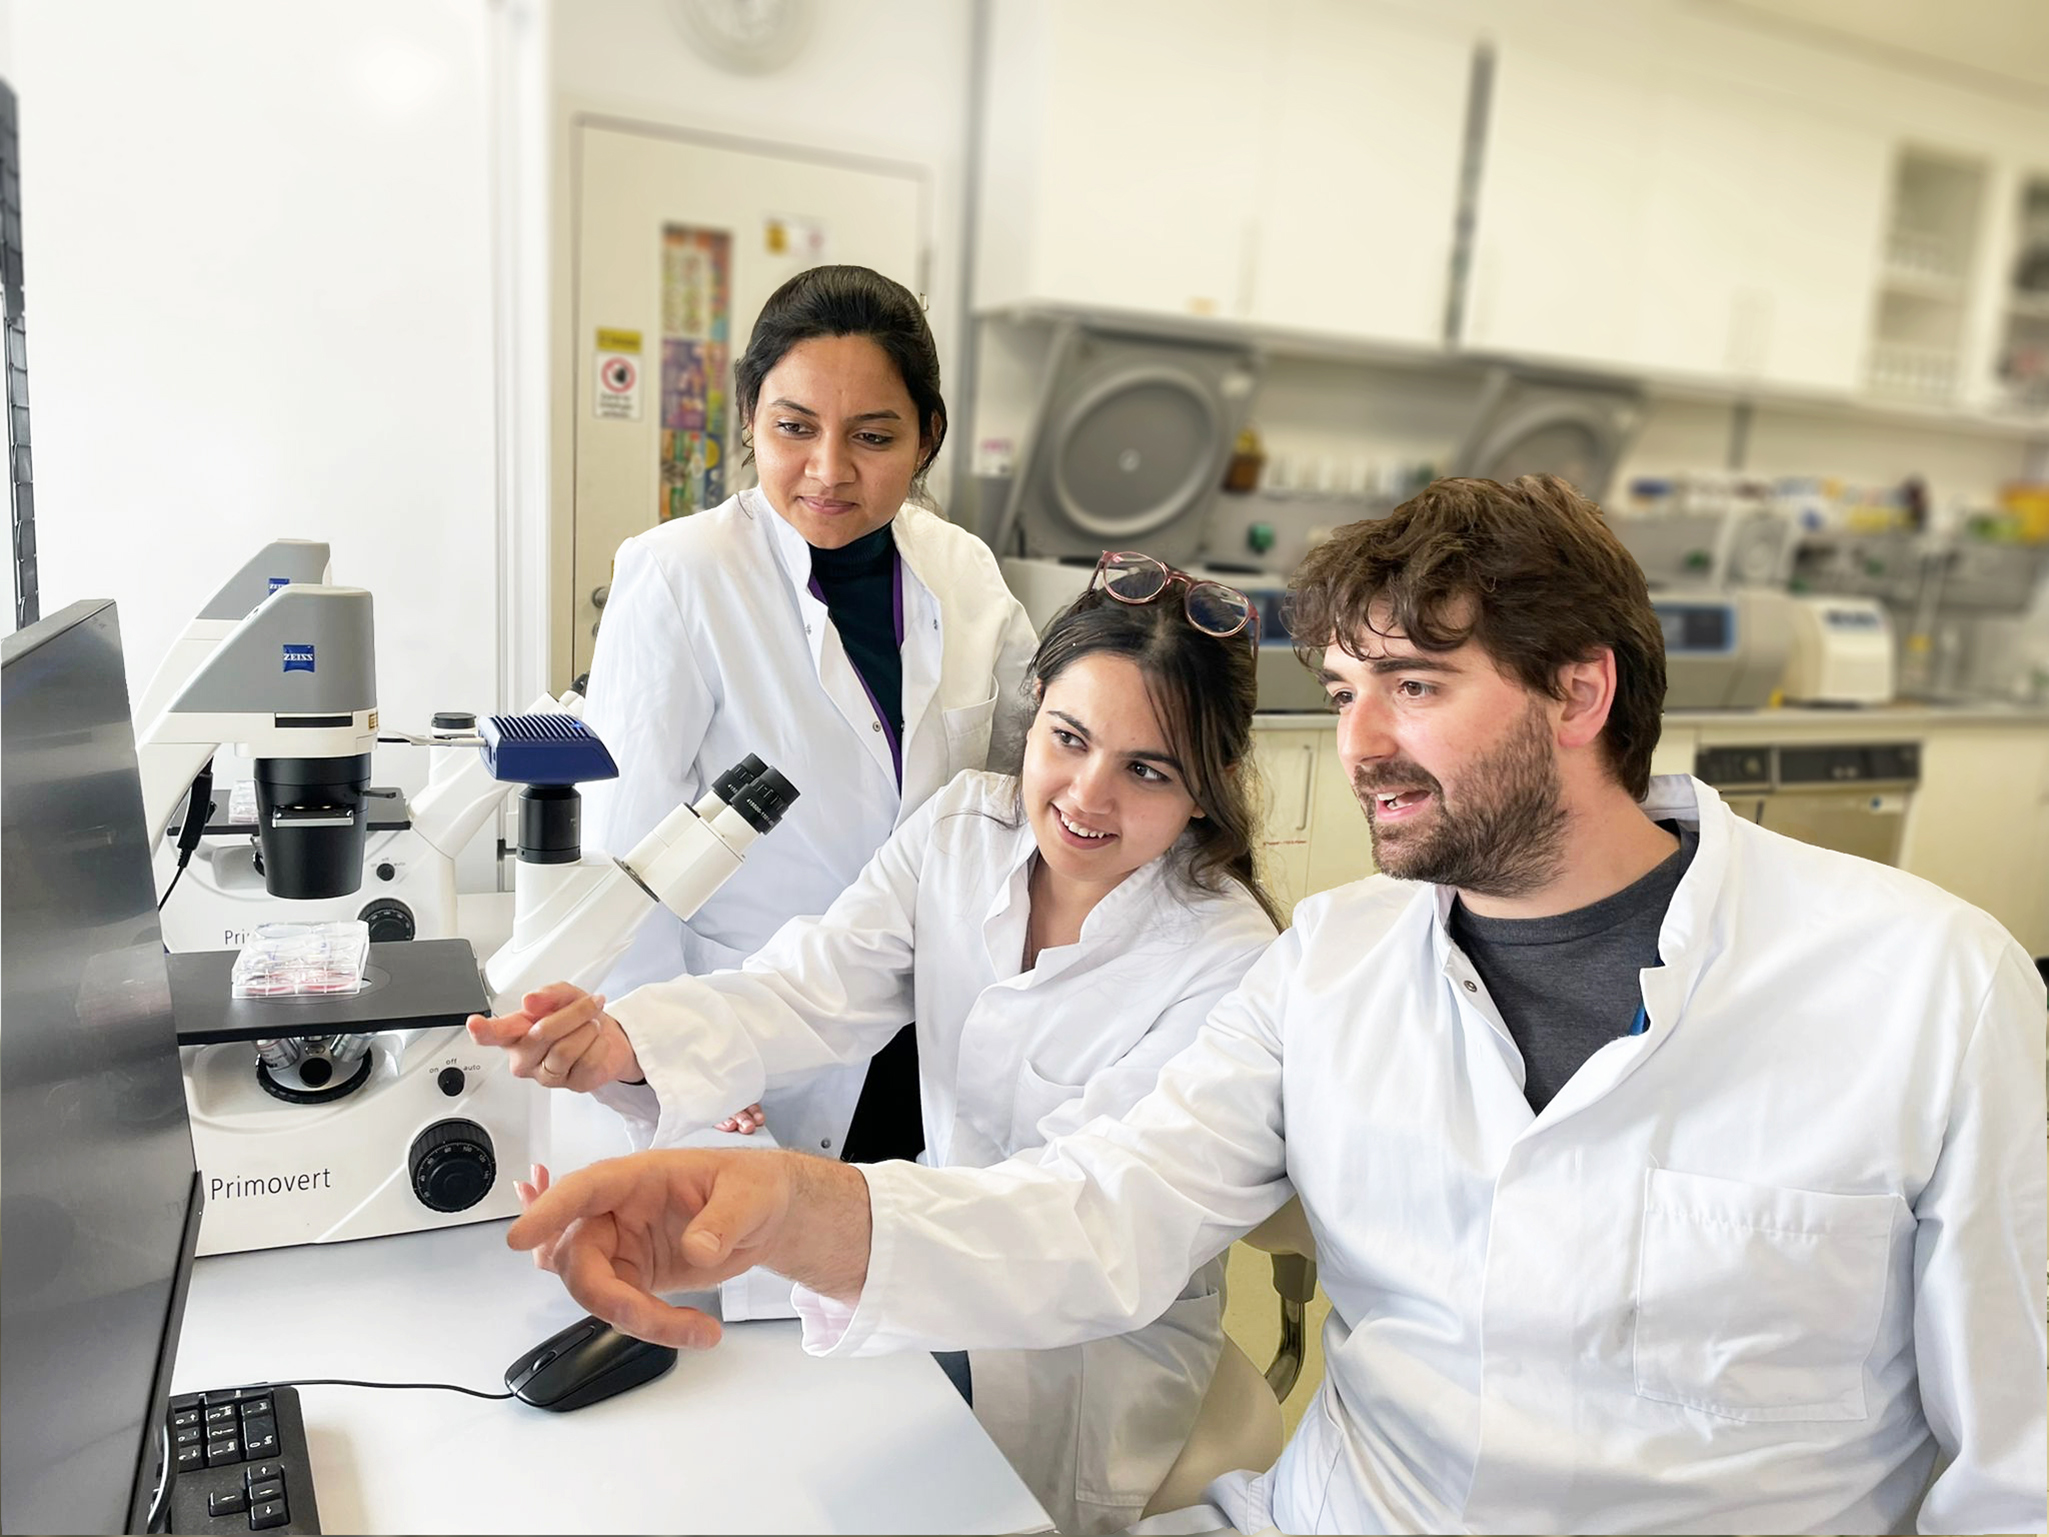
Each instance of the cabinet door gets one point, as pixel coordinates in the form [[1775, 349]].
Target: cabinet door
[[1818, 222], [1340, 839], [1287, 768], [1147, 143], [1360, 170], [1760, 234], [1651, 220], [1979, 824], [1557, 262]]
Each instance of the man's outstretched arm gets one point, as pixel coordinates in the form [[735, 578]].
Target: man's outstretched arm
[[1092, 1234]]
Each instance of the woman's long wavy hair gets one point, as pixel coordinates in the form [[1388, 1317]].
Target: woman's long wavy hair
[[1203, 688]]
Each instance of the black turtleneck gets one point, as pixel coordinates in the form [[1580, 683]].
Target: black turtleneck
[[858, 583]]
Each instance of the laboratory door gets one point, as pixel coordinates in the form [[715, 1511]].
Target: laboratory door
[[676, 242]]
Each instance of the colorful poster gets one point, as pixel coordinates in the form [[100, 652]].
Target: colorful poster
[[697, 267]]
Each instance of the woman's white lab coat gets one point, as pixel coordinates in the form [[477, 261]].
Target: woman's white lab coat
[[713, 646], [934, 930]]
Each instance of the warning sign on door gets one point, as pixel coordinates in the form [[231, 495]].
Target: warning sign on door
[[617, 393]]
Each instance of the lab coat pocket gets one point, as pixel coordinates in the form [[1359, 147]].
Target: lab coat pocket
[[1756, 1302], [1139, 1396], [967, 735]]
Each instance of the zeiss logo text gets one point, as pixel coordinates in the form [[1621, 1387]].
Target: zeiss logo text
[[276, 582], [298, 659]]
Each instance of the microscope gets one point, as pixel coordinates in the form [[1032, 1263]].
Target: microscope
[[406, 888], [321, 1118]]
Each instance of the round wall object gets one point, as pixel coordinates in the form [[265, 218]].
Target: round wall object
[[749, 37]]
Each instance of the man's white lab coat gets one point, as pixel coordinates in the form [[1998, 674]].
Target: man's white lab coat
[[934, 930], [1762, 1268], [713, 647]]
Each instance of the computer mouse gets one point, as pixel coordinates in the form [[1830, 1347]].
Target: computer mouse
[[585, 1364]]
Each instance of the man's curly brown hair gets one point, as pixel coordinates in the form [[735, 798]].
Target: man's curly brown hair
[[1531, 571]]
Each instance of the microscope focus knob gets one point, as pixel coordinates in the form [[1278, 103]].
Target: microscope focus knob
[[452, 1165], [389, 919]]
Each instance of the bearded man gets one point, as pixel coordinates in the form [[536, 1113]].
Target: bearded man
[[1666, 1174]]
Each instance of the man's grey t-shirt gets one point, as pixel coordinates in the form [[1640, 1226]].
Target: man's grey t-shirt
[[1567, 985]]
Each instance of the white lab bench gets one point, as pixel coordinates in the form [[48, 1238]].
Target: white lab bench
[[752, 1436]]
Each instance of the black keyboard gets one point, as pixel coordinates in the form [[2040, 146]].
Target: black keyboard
[[238, 1457]]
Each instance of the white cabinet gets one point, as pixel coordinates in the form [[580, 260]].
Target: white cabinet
[[1292, 165], [1654, 221], [1359, 180], [1979, 824], [1556, 256], [1287, 771], [1314, 835], [1120, 162]]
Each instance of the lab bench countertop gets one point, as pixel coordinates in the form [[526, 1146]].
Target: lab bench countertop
[[750, 1436]]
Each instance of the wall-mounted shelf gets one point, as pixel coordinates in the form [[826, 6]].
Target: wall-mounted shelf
[[1917, 329], [1446, 362], [2023, 361]]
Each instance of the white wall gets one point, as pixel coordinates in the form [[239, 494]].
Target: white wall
[[886, 78], [258, 243]]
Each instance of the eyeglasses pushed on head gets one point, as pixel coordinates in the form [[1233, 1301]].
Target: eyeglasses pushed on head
[[1212, 608]]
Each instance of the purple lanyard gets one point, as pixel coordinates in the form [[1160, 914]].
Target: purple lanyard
[[896, 609]]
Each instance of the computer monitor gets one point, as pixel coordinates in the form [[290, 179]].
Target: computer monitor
[[99, 1200]]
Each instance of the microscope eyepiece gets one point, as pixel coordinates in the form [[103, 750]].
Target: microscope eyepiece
[[738, 777], [765, 799]]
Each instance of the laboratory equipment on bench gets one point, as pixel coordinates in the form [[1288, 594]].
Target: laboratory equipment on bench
[[322, 1118], [1045, 587], [405, 887], [293, 685], [1531, 422], [1842, 651], [281, 563], [574, 914], [1848, 796], [319, 1118], [1706, 533], [1724, 650], [1127, 446]]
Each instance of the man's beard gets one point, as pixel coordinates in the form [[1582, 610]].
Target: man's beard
[[1503, 838]]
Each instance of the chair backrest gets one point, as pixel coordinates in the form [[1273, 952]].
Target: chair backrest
[[1238, 1426], [1285, 1232]]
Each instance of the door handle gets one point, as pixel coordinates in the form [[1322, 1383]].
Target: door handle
[[599, 594]]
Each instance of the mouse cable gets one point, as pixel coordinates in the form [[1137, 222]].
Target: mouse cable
[[351, 1382]]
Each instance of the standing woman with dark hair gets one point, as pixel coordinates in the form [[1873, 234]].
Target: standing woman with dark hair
[[859, 643], [1058, 937]]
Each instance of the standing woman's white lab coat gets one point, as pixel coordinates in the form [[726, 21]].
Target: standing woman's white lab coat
[[713, 646], [934, 930]]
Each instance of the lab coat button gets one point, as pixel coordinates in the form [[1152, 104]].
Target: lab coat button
[[875, 726], [826, 1143], [1471, 986]]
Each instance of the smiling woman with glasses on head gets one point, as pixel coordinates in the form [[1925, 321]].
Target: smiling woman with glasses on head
[[1057, 936]]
